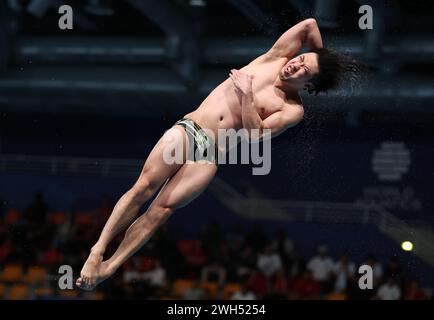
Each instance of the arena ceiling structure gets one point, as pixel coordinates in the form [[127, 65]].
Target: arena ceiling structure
[[156, 58]]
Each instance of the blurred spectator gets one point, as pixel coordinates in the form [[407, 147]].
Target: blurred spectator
[[146, 262], [269, 261], [244, 294], [211, 240], [63, 232], [131, 270], [5, 249], [344, 271], [377, 269], [393, 270], [51, 258], [193, 254], [226, 258], [415, 292], [322, 267], [258, 283], [234, 239], [305, 287], [389, 291], [280, 283], [156, 278], [282, 244], [172, 260], [103, 211], [298, 265], [214, 272], [38, 210], [195, 292], [246, 262], [256, 238], [285, 248], [268, 270]]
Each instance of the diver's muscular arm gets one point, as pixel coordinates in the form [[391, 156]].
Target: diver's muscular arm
[[251, 118], [304, 33], [243, 87], [313, 38], [288, 117], [275, 124]]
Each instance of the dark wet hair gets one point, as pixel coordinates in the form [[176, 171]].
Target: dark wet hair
[[333, 68]]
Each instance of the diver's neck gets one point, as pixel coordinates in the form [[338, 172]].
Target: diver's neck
[[285, 86]]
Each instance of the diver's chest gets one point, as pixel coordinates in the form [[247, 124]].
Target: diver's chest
[[267, 101]]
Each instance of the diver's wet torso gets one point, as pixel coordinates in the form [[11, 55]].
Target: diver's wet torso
[[222, 108]]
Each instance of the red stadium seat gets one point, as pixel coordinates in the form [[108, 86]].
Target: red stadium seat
[[2, 290], [180, 286], [5, 250], [192, 251], [35, 274], [18, 292], [211, 288], [44, 292], [230, 289], [11, 216], [12, 273], [57, 218], [69, 294], [83, 219]]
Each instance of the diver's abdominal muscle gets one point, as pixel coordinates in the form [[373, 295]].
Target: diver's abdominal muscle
[[220, 110]]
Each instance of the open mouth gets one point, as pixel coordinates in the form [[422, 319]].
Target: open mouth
[[287, 73], [291, 70], [284, 76]]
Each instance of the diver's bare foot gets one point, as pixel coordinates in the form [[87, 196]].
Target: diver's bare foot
[[93, 273]]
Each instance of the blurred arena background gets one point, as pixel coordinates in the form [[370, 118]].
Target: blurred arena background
[[80, 110]]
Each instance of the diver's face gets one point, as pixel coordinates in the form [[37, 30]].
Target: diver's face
[[299, 70]]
